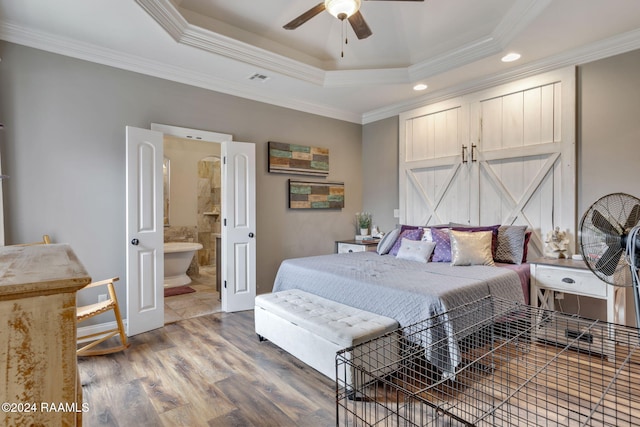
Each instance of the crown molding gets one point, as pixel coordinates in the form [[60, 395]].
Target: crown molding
[[81, 50], [239, 51], [602, 49], [88, 52], [521, 14], [172, 21], [464, 55]]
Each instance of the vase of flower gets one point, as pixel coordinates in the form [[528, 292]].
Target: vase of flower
[[363, 220]]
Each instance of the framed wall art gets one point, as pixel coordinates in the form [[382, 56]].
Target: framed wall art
[[298, 159], [316, 195]]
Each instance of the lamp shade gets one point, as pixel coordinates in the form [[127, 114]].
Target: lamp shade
[[342, 9]]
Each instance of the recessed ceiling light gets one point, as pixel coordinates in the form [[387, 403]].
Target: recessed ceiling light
[[510, 57], [420, 86]]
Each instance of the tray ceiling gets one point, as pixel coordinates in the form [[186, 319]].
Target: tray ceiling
[[451, 45]]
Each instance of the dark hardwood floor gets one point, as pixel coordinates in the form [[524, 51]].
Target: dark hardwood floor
[[205, 371]]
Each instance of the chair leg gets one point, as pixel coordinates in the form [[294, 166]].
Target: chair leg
[[86, 350], [123, 335]]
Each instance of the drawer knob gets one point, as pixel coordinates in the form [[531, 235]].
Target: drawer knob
[[568, 280]]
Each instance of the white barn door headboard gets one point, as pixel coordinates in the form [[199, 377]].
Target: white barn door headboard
[[505, 155]]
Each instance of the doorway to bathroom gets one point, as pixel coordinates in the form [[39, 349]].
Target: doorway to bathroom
[[192, 181], [145, 254]]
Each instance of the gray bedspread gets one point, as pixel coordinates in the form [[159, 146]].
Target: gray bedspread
[[407, 291]]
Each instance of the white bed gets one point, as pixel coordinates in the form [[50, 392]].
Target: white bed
[[407, 291]]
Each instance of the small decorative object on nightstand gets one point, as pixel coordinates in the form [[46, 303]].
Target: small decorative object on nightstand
[[346, 246], [363, 222], [376, 233], [556, 245]]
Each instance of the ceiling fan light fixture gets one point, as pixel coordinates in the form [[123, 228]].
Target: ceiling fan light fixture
[[342, 9]]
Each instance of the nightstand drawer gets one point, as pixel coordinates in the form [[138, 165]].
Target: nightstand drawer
[[344, 248], [582, 282]]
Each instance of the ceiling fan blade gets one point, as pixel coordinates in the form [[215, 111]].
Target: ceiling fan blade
[[305, 17], [603, 224], [608, 263], [633, 218], [359, 26]]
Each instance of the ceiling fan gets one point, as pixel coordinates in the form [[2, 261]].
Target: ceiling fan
[[341, 9]]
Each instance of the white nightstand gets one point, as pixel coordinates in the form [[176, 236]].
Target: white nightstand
[[549, 276], [346, 246], [573, 277]]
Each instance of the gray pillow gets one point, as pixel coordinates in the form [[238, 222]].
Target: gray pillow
[[510, 246], [385, 245]]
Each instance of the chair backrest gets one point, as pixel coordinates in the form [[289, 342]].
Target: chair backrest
[[46, 240]]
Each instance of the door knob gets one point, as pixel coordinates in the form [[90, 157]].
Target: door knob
[[251, 235], [135, 242]]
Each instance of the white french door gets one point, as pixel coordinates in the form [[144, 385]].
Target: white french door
[[239, 216], [145, 225], [144, 231]]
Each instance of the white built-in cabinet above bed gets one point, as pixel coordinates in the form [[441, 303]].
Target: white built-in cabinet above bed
[[504, 155]]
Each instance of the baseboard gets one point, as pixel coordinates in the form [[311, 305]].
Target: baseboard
[[100, 327]]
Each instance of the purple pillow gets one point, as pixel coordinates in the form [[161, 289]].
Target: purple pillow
[[442, 252], [407, 234]]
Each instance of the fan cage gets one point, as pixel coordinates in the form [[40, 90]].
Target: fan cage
[[521, 366], [601, 229]]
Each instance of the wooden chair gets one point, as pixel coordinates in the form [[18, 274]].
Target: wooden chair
[[88, 311]]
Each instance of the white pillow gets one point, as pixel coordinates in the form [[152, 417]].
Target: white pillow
[[415, 250], [471, 248]]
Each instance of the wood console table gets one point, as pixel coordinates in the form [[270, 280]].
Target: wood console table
[[38, 364]]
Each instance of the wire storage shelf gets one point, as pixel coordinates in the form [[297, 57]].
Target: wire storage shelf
[[516, 365]]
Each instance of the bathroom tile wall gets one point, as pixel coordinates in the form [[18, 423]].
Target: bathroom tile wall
[[209, 222]]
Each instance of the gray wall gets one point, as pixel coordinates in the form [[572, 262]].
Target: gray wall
[[64, 148], [608, 141], [609, 128], [380, 169]]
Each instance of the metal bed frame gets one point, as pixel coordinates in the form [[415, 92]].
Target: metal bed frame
[[521, 366]]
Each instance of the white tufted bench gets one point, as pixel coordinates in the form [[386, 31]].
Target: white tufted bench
[[313, 329]]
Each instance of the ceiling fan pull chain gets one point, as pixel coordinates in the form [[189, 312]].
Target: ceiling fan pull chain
[[343, 37]]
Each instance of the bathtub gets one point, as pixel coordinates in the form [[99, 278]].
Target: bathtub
[[177, 258]]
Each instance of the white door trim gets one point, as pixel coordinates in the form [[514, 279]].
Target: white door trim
[[195, 134]]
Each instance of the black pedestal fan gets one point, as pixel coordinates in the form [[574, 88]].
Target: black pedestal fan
[[609, 238]]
